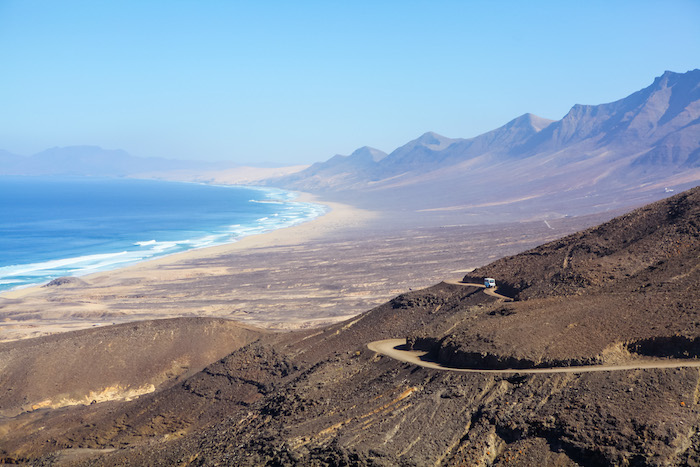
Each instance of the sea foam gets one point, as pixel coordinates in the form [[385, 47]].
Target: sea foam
[[275, 209]]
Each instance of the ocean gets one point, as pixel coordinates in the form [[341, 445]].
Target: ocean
[[52, 227]]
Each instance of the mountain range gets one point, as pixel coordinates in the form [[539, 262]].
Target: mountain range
[[597, 156]]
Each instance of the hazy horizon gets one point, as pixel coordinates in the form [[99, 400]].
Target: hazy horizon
[[296, 83]]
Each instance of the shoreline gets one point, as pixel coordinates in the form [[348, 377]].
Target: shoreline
[[135, 292], [336, 217], [121, 251], [323, 271]]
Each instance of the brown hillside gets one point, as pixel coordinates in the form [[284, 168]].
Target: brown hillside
[[114, 362], [663, 236], [321, 397]]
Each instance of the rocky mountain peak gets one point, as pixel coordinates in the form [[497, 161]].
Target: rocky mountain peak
[[670, 78], [433, 141], [670, 103], [528, 121], [367, 152]]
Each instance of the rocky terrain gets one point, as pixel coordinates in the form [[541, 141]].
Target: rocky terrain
[[627, 276], [111, 362], [622, 292]]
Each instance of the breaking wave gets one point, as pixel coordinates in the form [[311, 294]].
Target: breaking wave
[[276, 209]]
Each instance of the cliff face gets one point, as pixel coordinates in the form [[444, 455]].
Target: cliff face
[[618, 293]]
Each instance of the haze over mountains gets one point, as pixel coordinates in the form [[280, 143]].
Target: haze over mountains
[[598, 157], [621, 297], [92, 161], [632, 148]]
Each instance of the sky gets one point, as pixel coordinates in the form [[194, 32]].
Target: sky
[[284, 83]]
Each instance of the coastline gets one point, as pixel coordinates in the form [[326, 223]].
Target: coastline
[[325, 270], [338, 216], [42, 246], [39, 310]]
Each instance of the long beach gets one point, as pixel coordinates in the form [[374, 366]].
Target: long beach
[[322, 271]]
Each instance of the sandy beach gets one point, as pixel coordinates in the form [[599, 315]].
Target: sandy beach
[[339, 216], [40, 310], [323, 271]]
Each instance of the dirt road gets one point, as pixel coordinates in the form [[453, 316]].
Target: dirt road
[[487, 291], [388, 347]]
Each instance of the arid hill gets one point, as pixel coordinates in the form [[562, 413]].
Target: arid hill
[[659, 239], [628, 284], [112, 362], [623, 292]]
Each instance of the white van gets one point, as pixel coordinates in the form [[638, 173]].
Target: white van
[[489, 282]]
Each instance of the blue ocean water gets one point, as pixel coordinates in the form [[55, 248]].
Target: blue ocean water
[[70, 227]]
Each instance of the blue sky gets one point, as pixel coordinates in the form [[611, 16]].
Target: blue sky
[[297, 82]]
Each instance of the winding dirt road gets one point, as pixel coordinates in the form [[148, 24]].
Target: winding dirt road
[[487, 291], [388, 347]]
